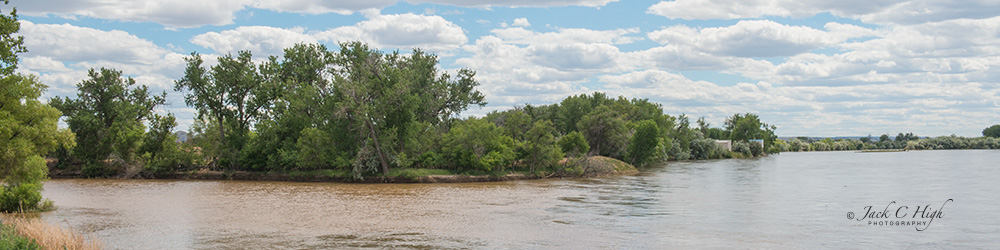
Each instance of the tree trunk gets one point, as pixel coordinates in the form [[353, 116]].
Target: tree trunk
[[222, 139], [378, 147]]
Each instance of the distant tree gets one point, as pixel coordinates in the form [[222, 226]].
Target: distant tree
[[992, 131], [745, 127], [884, 138], [866, 139], [906, 137]]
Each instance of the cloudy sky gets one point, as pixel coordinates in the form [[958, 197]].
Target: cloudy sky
[[819, 68]]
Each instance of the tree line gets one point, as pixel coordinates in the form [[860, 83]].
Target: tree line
[[365, 112], [907, 141]]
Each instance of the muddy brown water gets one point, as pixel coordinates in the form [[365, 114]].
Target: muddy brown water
[[792, 200]]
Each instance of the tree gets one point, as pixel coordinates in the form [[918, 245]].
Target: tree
[[541, 148], [571, 110], [108, 116], [605, 131], [745, 127], [385, 94], [574, 145], [232, 94], [866, 139], [992, 131], [884, 138], [644, 143], [28, 128], [162, 152]]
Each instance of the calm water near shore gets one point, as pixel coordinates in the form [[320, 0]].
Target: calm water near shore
[[791, 200]]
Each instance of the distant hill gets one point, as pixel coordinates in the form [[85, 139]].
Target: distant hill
[[182, 136]]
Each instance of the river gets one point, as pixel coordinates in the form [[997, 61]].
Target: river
[[791, 200]]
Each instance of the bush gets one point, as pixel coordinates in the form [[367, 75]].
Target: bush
[[9, 239], [25, 196], [704, 149], [477, 144]]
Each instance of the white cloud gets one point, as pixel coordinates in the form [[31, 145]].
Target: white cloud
[[517, 3], [61, 54], [562, 36], [521, 22], [756, 38], [400, 31], [871, 11], [321, 7], [65, 42], [819, 110], [261, 40], [43, 63], [518, 66], [940, 52], [195, 13], [179, 13]]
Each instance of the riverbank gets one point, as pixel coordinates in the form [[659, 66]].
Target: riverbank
[[589, 167]]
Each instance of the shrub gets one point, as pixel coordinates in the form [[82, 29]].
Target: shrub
[[25, 196]]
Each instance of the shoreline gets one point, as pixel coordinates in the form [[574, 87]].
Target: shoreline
[[594, 167]]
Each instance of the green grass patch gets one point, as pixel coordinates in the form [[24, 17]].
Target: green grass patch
[[417, 172], [330, 173]]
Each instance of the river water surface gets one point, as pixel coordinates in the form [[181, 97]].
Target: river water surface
[[791, 200]]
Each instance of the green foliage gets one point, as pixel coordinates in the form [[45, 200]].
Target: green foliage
[[906, 137], [413, 173], [384, 94], [28, 128], [10, 45], [605, 132], [745, 127], [160, 150], [706, 149], [574, 145], [317, 150], [992, 131], [24, 196], [644, 141], [540, 145], [476, 144], [233, 94], [10, 239]]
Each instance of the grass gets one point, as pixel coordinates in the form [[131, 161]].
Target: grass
[[417, 172], [331, 173], [20, 232]]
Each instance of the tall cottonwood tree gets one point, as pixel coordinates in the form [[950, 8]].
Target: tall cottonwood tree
[[384, 95], [108, 115], [232, 94]]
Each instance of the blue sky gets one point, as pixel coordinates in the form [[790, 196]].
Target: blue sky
[[818, 68]]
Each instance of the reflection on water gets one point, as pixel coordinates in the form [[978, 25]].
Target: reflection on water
[[784, 201]]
